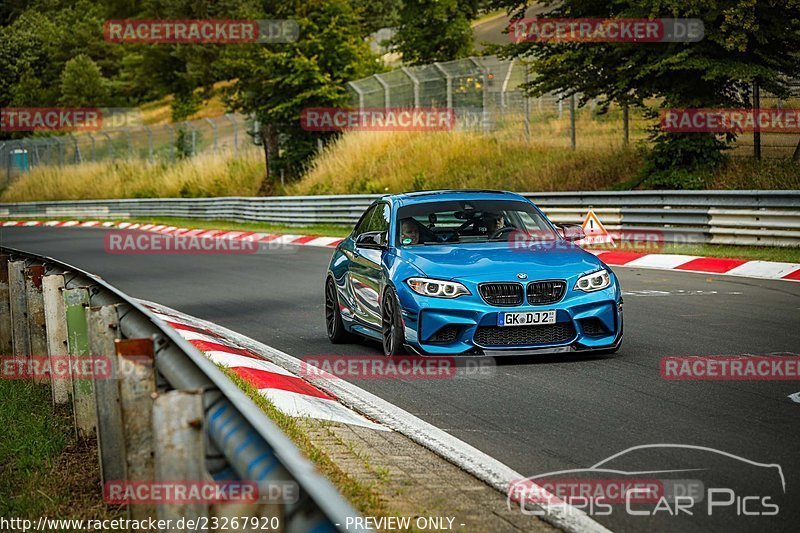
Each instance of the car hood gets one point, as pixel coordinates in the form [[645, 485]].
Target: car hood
[[479, 262]]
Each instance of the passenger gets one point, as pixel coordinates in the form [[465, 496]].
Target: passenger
[[409, 233]]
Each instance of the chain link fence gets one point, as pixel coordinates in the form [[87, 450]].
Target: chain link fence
[[165, 142], [486, 94]]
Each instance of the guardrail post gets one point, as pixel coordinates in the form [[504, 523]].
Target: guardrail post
[[56, 325], [137, 387], [19, 309], [75, 300], [6, 347], [180, 449], [102, 329], [36, 324]]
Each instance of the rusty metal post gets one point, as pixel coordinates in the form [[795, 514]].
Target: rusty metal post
[[137, 389], [6, 346], [55, 317], [75, 301], [178, 428], [19, 309], [103, 325], [36, 325]]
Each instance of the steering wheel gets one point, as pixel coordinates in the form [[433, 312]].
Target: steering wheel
[[501, 231], [454, 235]]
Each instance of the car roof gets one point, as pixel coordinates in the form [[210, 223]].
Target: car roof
[[444, 195]]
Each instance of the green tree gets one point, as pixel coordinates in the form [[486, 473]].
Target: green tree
[[746, 42], [82, 84], [435, 30], [276, 82]]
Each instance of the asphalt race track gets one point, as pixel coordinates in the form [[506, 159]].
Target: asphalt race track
[[537, 414]]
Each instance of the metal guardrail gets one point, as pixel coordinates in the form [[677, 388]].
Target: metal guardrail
[[758, 218], [50, 307]]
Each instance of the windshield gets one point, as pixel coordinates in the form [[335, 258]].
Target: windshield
[[470, 221]]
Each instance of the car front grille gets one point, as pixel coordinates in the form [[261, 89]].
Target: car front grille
[[502, 294], [545, 292], [524, 335]]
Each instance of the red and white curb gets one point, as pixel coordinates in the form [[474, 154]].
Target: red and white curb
[[680, 263], [288, 392], [703, 265], [390, 417]]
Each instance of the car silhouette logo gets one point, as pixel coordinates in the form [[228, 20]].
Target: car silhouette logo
[[522, 275]]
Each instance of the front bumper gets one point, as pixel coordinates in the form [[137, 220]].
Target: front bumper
[[468, 325]]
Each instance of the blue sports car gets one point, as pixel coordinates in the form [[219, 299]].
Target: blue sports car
[[469, 273]]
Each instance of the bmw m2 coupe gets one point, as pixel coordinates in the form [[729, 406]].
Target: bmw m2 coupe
[[469, 273]]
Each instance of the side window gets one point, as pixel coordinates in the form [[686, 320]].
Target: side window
[[380, 222], [364, 224]]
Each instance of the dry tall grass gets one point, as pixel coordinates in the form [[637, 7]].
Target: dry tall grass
[[205, 175], [374, 162]]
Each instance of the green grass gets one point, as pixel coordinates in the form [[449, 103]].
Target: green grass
[[364, 498], [43, 470]]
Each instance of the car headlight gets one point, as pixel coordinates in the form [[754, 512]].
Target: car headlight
[[593, 282], [437, 288]]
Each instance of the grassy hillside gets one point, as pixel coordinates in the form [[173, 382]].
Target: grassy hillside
[[376, 162]]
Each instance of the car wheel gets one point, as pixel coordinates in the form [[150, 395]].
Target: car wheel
[[392, 325], [333, 317]]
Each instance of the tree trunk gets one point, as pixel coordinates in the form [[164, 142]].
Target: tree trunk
[[269, 140]]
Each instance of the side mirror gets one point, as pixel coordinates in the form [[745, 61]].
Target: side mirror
[[571, 232], [373, 240]]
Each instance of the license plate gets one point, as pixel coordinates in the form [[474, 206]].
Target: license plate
[[526, 318]]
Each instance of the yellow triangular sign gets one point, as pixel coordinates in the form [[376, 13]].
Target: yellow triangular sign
[[595, 232]]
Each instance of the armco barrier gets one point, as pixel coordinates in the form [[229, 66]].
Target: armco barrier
[[760, 218], [171, 416]]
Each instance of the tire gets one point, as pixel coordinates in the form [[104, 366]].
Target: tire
[[333, 317], [392, 325]]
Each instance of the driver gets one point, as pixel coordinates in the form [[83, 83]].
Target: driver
[[409, 230], [493, 222]]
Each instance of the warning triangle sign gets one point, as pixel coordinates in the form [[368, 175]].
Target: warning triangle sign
[[595, 232]]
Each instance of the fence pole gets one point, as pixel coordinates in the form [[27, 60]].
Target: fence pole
[[92, 150], [448, 84], [235, 134], [19, 309], [149, 143], [527, 106], [56, 324], [625, 127], [103, 326], [415, 81], [75, 302], [178, 427], [6, 346], [110, 145], [36, 324], [216, 133], [137, 387], [572, 140], [387, 94]]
